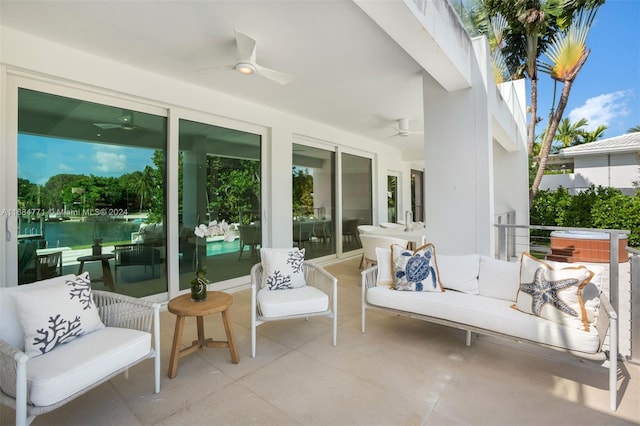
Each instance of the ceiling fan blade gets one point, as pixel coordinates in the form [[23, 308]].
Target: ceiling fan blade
[[277, 76], [106, 126], [246, 47], [218, 68]]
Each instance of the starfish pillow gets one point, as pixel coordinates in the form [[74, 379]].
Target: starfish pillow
[[553, 294]]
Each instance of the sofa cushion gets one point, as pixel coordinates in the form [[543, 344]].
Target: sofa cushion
[[10, 328], [56, 314], [282, 268], [486, 313], [459, 273], [498, 278], [553, 294], [296, 301], [82, 362], [415, 270]]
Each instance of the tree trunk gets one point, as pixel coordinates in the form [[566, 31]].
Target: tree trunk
[[532, 115], [548, 138]]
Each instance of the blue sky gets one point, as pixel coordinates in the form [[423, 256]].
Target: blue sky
[[39, 158], [607, 89]]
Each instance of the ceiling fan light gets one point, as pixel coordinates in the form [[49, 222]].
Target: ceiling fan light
[[245, 68]]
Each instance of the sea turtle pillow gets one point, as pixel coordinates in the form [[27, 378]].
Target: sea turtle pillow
[[415, 270]]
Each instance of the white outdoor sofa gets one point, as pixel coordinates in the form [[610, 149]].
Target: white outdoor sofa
[[489, 309], [35, 385]]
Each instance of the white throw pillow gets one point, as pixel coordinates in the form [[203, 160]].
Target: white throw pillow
[[498, 278], [282, 268], [56, 314], [553, 294], [385, 268], [415, 270], [459, 273]]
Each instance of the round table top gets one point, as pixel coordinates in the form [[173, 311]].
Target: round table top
[[216, 301], [90, 257]]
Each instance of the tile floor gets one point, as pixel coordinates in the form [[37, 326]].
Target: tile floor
[[401, 372]]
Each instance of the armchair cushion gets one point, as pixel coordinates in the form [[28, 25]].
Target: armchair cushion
[[282, 268], [296, 301], [56, 314], [77, 365]]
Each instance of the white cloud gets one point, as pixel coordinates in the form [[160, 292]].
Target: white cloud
[[38, 155], [602, 110], [110, 162], [62, 167]]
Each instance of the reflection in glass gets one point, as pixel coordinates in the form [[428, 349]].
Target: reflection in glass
[[219, 179], [356, 198], [392, 199], [91, 181], [313, 180]]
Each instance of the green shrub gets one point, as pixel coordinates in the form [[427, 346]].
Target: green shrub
[[600, 207]]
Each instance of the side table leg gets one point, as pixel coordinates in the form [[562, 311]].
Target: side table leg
[[229, 330], [175, 349]]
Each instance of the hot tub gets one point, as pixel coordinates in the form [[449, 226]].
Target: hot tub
[[585, 246]]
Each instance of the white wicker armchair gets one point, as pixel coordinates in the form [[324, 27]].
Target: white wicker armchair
[[117, 312], [315, 277]]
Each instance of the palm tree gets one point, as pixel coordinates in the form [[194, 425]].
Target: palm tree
[[568, 53], [634, 129], [144, 186], [573, 134]]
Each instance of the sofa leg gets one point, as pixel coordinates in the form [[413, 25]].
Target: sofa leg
[[468, 338]]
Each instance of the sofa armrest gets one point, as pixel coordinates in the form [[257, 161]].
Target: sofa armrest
[[607, 316], [118, 310]]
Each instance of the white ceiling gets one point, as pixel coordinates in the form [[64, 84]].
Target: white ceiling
[[348, 73]]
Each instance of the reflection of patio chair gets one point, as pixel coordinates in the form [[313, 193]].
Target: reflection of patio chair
[[302, 231], [250, 236], [26, 260], [48, 265], [322, 230], [136, 254], [371, 241], [350, 229]]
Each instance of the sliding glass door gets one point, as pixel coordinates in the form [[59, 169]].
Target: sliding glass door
[[91, 193], [357, 198], [313, 215], [219, 173]]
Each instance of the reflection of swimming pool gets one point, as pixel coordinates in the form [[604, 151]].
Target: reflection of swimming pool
[[585, 246], [222, 247]]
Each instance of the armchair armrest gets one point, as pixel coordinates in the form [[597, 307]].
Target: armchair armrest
[[316, 276], [12, 365], [118, 310]]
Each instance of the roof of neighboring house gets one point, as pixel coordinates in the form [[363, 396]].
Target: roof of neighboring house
[[629, 142]]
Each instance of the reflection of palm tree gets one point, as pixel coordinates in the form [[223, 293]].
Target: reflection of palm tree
[[144, 185]]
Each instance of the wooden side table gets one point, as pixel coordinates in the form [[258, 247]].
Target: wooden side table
[[106, 268], [182, 307]]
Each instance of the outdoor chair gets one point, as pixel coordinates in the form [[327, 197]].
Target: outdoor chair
[[249, 236], [371, 241], [315, 292], [48, 265], [38, 375], [136, 255]]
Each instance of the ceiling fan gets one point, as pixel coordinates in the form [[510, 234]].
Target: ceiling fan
[[403, 129], [125, 123], [246, 61]]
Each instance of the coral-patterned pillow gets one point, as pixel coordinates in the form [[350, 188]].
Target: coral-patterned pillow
[[53, 315], [282, 268]]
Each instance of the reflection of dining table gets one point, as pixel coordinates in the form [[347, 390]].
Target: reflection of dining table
[[106, 268], [416, 237]]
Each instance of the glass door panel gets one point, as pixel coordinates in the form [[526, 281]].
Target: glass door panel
[[392, 198], [313, 215], [219, 180], [91, 181], [356, 198]]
